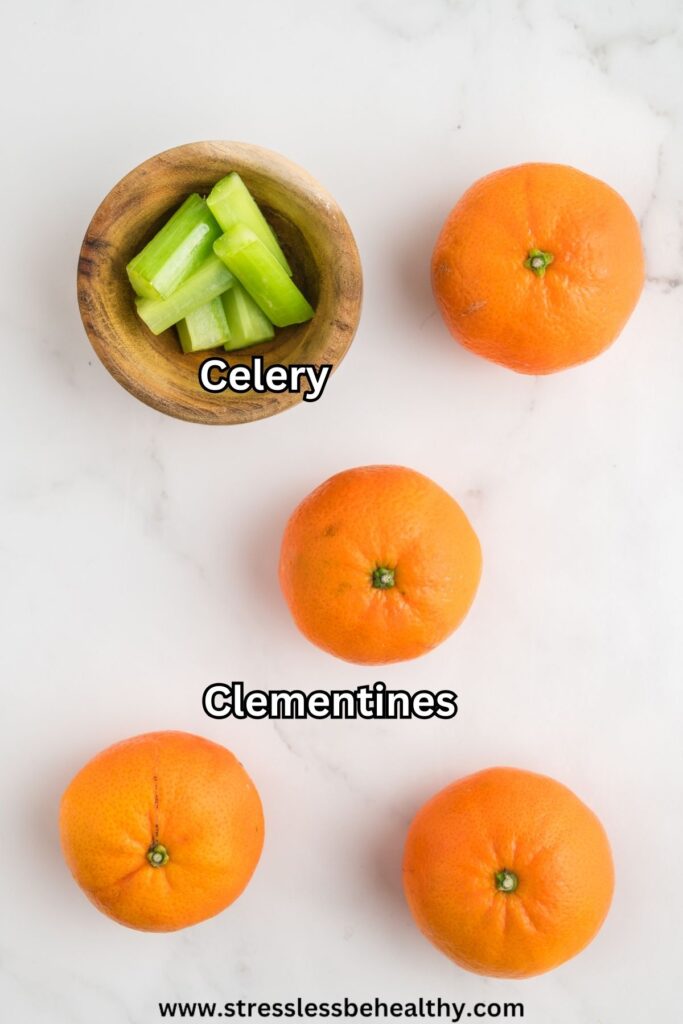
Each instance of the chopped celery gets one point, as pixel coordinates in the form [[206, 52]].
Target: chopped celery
[[207, 283], [175, 252], [205, 327], [247, 322], [262, 276], [231, 202]]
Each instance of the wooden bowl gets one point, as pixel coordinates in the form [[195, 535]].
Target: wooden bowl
[[312, 231]]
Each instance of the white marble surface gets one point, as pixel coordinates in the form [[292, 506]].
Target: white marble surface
[[138, 553]]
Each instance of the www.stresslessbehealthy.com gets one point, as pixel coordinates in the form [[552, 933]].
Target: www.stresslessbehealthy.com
[[375, 1009]]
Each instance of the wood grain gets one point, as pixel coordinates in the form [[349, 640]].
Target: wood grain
[[312, 231]]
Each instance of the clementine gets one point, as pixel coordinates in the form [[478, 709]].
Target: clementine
[[379, 564], [162, 831], [538, 267], [508, 873]]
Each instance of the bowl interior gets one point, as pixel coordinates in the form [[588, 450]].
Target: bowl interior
[[312, 231]]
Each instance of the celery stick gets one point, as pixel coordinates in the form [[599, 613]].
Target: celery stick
[[175, 252], [247, 322], [262, 276], [205, 327], [207, 283], [232, 203]]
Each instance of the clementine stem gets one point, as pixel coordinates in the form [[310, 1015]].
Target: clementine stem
[[383, 578], [157, 855], [538, 260], [506, 881]]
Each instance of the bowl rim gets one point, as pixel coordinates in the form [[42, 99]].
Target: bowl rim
[[339, 332]]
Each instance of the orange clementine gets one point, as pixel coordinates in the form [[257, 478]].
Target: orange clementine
[[508, 873], [162, 831], [379, 564], [538, 267]]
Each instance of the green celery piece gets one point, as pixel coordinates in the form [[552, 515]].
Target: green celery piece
[[175, 252], [205, 327], [211, 280], [247, 322], [231, 202], [259, 272]]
